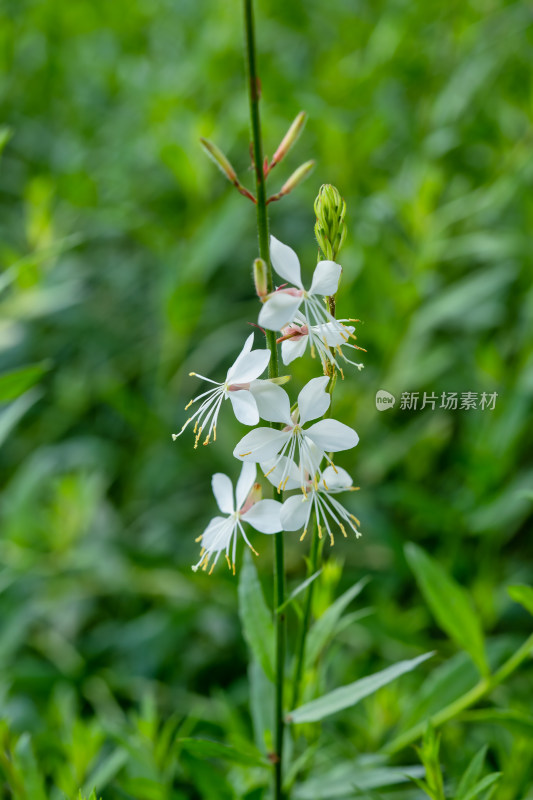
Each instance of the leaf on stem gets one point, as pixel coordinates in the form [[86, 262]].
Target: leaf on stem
[[255, 617], [348, 696], [449, 604]]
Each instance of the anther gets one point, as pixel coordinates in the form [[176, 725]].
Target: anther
[[302, 537]]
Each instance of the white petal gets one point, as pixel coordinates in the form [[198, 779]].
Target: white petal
[[245, 482], [278, 310], [272, 401], [326, 278], [284, 469], [248, 367], [295, 512], [331, 435], [249, 343], [293, 348], [334, 333], [261, 444], [285, 262], [313, 400], [336, 479], [264, 516], [223, 491], [216, 535], [244, 407]]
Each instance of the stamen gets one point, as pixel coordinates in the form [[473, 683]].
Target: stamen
[[242, 455], [319, 531], [189, 404], [331, 539], [343, 529], [302, 537], [212, 568], [326, 487], [214, 433], [355, 519], [199, 538], [228, 562]]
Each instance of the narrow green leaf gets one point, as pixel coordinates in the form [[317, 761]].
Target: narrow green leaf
[[472, 774], [342, 780], [324, 627], [26, 763], [107, 769], [255, 617], [485, 783], [298, 590], [515, 721], [5, 136], [350, 695], [522, 594], [10, 416], [206, 748], [449, 604], [18, 381]]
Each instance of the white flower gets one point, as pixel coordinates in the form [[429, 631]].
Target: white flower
[[296, 511], [326, 340], [246, 368], [221, 533], [281, 305], [309, 444]]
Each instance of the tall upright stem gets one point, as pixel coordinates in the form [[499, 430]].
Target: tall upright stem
[[254, 87]]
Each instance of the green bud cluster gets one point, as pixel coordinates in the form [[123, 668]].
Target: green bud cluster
[[330, 226]]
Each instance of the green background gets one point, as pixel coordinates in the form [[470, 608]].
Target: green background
[[126, 263]]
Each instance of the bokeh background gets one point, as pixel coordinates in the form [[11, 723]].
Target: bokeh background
[[126, 263]]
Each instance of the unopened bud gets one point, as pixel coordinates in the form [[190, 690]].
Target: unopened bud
[[217, 156], [290, 138], [296, 178], [260, 277], [330, 226]]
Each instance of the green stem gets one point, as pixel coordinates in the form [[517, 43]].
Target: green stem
[[302, 634], [264, 251], [480, 690]]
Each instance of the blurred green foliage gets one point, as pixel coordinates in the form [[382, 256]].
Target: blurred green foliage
[[126, 262]]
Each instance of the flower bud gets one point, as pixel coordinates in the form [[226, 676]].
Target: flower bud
[[296, 178], [290, 138], [260, 278], [330, 226], [216, 155]]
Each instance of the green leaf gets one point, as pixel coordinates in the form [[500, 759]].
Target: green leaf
[[206, 748], [325, 625], [26, 763], [5, 136], [485, 783], [472, 774], [10, 416], [107, 769], [300, 588], [18, 381], [342, 780], [255, 616], [348, 696], [449, 604], [515, 721], [522, 594]]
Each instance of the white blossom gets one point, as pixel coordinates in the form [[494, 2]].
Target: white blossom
[[296, 442], [241, 376], [319, 497], [221, 534], [327, 340], [281, 305]]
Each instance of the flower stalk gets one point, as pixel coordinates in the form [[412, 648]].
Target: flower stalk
[[254, 92]]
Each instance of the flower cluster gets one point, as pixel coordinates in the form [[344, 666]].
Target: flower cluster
[[295, 452]]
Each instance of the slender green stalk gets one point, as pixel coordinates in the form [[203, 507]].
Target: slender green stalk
[[264, 252], [480, 690], [302, 633]]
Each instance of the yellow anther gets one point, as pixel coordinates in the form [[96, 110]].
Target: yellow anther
[[189, 404], [195, 426], [233, 568], [212, 568], [326, 487], [355, 519], [214, 433], [254, 551], [313, 352], [331, 539], [341, 372], [242, 455], [206, 441], [285, 482], [269, 471], [228, 562], [319, 532], [199, 539], [192, 374], [335, 470], [302, 537], [343, 531]]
